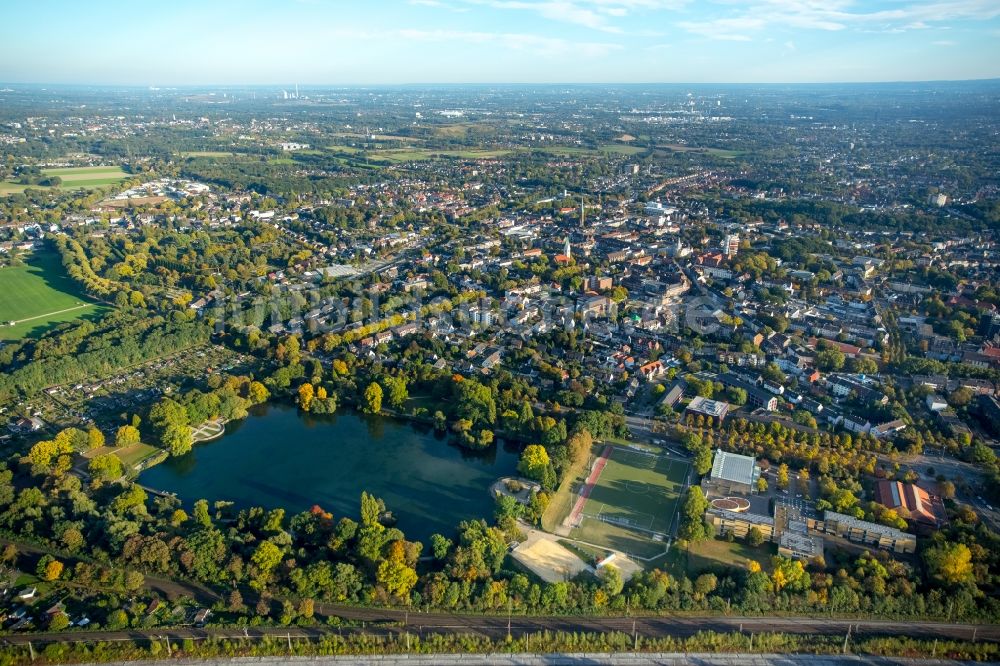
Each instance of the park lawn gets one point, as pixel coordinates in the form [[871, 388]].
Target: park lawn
[[135, 454], [38, 295], [129, 455], [715, 553]]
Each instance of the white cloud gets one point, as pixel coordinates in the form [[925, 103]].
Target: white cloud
[[725, 29], [593, 14], [832, 15]]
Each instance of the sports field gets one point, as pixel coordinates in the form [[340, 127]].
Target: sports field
[[37, 295], [632, 501]]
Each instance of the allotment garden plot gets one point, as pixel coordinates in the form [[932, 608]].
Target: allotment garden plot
[[629, 501]]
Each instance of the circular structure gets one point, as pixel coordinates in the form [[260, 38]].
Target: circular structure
[[737, 504]]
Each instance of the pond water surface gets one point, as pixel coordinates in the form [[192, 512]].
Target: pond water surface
[[278, 457]]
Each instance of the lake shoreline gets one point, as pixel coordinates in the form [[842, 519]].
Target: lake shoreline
[[279, 456]]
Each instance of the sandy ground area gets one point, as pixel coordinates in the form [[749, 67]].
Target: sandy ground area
[[551, 561], [547, 559]]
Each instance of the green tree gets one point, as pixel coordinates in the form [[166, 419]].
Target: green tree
[[201, 514], [692, 526], [534, 462], [177, 439], [58, 622], [306, 395], [440, 545], [950, 563], [702, 461], [398, 392], [107, 467], [830, 360], [611, 580], [126, 436], [783, 476], [755, 537], [864, 366], [266, 557], [95, 439], [373, 398], [394, 574], [257, 393]]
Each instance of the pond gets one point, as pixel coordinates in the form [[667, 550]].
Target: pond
[[279, 458]]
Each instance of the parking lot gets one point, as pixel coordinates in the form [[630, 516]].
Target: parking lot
[[793, 497]]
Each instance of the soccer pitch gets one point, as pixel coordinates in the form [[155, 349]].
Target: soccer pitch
[[632, 504]]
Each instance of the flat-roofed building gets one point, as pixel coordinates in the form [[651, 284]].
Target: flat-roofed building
[[872, 534], [713, 409], [740, 524], [798, 545], [733, 473]]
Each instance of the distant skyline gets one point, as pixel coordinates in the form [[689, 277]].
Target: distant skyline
[[344, 42]]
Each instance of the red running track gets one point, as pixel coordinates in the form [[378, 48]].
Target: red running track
[[588, 486]]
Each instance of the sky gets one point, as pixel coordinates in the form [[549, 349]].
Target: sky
[[370, 42]]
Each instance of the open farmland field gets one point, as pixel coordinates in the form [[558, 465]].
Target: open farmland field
[[416, 154], [87, 177], [38, 295], [604, 149], [206, 153], [73, 178]]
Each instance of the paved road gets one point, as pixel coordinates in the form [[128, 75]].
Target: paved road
[[386, 621]]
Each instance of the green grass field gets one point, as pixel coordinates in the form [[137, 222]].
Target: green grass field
[[206, 153], [633, 501], [715, 553], [38, 295], [74, 178], [603, 149], [417, 154], [133, 455], [717, 152]]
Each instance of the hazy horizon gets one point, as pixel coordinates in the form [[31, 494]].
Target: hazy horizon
[[289, 85]]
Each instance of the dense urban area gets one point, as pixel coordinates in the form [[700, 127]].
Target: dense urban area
[[499, 357]]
